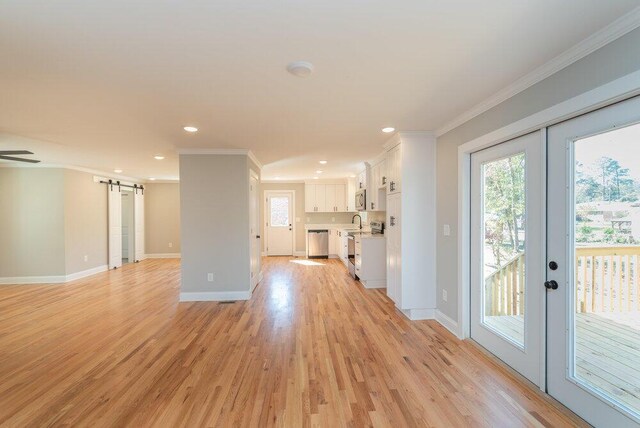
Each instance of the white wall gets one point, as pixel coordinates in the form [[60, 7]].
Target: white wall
[[615, 60]]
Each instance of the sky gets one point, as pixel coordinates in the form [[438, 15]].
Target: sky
[[622, 145]]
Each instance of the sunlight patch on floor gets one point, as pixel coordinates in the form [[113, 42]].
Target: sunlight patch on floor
[[307, 262]]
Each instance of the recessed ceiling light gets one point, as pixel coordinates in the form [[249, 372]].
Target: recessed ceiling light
[[319, 171], [388, 130], [190, 129], [300, 68], [152, 179], [158, 157], [323, 162], [277, 178], [315, 178], [352, 176], [117, 171]]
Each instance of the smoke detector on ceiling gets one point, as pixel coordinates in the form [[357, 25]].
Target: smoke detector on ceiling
[[300, 68]]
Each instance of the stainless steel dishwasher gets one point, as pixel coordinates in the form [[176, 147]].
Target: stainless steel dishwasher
[[318, 241]]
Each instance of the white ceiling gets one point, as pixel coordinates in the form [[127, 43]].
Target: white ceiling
[[108, 84]]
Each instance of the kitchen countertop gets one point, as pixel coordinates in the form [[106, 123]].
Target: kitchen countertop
[[347, 226]]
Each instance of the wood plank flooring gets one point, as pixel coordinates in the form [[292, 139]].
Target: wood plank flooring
[[607, 351], [311, 348]]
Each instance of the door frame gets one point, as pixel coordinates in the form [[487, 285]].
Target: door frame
[[265, 216], [257, 278], [610, 93]]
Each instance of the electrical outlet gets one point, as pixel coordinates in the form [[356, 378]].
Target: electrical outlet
[[170, 244], [447, 230], [86, 258], [333, 219], [444, 295], [308, 219], [210, 277]]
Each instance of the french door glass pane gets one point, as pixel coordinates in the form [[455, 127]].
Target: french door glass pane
[[280, 211], [503, 220], [606, 338]]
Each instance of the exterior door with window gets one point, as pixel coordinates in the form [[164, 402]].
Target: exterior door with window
[[593, 266], [507, 267], [279, 224]]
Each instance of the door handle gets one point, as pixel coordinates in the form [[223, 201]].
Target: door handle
[[551, 285], [384, 180], [392, 186], [257, 236], [392, 220]]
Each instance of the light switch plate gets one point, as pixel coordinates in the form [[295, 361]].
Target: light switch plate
[[444, 295], [447, 230]]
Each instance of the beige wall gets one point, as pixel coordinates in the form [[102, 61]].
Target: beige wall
[[304, 218], [604, 65], [214, 223], [85, 220], [162, 218], [32, 222]]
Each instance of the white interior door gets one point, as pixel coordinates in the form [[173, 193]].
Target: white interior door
[[506, 252], [138, 213], [115, 226], [279, 224], [593, 303], [254, 232]]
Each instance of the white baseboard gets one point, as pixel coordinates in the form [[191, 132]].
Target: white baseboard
[[58, 279], [300, 254], [85, 273], [448, 323], [214, 296], [162, 256], [379, 283], [419, 314], [53, 279], [256, 280]]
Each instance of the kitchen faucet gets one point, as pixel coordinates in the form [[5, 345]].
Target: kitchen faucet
[[353, 220]]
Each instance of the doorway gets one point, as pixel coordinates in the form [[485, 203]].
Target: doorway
[[279, 222], [506, 252], [593, 266], [128, 227], [254, 229], [125, 219]]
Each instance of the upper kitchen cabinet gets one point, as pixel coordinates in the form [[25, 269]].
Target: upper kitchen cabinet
[[325, 198], [361, 180], [376, 188], [394, 168]]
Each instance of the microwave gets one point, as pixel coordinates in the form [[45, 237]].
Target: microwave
[[361, 200]]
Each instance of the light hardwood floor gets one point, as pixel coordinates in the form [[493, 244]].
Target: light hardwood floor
[[311, 348]]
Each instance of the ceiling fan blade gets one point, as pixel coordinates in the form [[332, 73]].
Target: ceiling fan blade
[[11, 158], [15, 152]]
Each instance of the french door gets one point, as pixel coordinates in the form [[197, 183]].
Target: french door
[[279, 224], [507, 194], [593, 266]]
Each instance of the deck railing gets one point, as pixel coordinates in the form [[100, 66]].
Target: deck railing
[[607, 280], [504, 289]]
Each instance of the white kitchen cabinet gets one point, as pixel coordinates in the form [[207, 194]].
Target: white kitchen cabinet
[[394, 170], [376, 193], [325, 198], [333, 243], [344, 247], [341, 198], [394, 248], [361, 182], [411, 223], [370, 260], [351, 195], [330, 197], [310, 198]]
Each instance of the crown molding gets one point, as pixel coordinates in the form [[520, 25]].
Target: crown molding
[[408, 136], [73, 168], [205, 151], [608, 34]]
